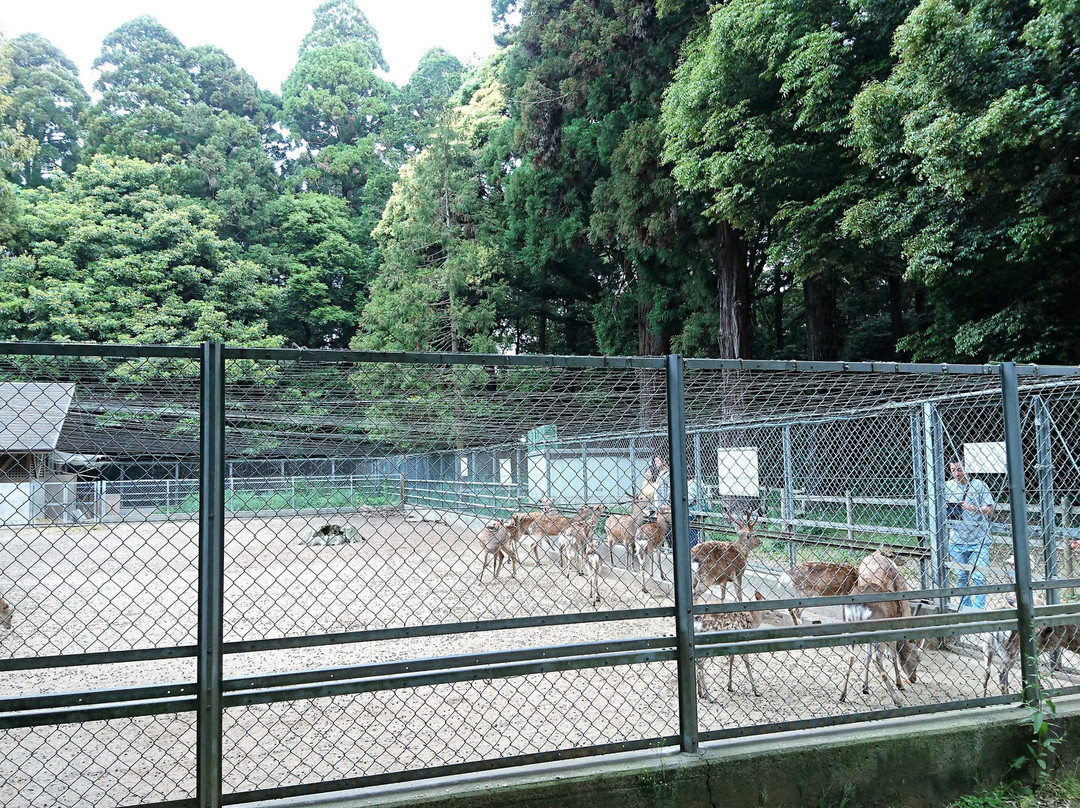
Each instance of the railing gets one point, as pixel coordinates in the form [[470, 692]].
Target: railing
[[261, 654]]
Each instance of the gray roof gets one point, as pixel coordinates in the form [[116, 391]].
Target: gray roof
[[32, 415]]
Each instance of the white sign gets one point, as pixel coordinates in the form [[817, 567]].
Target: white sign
[[738, 472], [463, 466], [505, 472], [985, 458]]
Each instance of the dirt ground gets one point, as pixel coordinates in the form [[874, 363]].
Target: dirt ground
[[80, 589]]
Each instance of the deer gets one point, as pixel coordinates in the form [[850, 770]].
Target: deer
[[548, 523], [1006, 644], [498, 541], [648, 540], [726, 621], [621, 528], [882, 569], [723, 562], [819, 579], [882, 576], [573, 541], [6, 610], [594, 563]]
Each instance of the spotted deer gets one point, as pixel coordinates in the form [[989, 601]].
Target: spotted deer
[[574, 540], [726, 621], [649, 539], [724, 562], [594, 564]]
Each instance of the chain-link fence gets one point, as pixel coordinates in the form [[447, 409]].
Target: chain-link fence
[[357, 568]]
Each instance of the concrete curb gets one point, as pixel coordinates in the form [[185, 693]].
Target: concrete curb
[[918, 761]]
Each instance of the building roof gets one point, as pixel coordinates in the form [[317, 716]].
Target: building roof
[[32, 415]]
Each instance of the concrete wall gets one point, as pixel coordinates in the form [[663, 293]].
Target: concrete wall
[[911, 762]]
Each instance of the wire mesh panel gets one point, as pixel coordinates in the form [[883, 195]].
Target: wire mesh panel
[[839, 486], [440, 458], [395, 730], [443, 564], [127, 761], [94, 577], [461, 494]]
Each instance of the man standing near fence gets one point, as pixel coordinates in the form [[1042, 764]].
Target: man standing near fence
[[969, 505]]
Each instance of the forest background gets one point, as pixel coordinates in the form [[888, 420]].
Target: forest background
[[818, 179]]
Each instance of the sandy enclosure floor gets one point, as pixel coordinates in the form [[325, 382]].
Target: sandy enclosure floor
[[133, 585]]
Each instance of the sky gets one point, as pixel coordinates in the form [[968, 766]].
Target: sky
[[262, 41]]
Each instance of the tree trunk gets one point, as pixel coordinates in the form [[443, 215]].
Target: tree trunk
[[819, 292], [896, 308], [649, 342], [778, 308], [733, 293]]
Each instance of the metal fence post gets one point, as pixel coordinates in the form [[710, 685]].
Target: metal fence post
[[787, 503], [934, 471], [1014, 459], [680, 531], [208, 743], [1045, 467], [918, 481], [584, 474]]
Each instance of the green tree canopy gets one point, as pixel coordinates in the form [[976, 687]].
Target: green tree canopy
[[976, 132], [47, 100], [114, 254]]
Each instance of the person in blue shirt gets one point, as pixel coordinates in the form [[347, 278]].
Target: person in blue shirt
[[969, 506]]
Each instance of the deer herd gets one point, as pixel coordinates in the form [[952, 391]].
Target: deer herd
[[642, 533]]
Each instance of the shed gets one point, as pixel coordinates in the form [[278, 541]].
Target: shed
[[34, 480]]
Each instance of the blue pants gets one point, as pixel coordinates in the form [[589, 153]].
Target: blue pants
[[695, 535], [971, 554]]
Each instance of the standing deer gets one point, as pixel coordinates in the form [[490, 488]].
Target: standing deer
[[819, 579], [726, 621], [649, 539], [594, 563], [1007, 644], [574, 539], [721, 562], [498, 540], [881, 569], [878, 574], [621, 528]]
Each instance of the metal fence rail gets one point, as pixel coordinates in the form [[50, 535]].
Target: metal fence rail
[[251, 574]]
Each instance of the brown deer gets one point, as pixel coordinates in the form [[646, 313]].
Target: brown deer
[[723, 562], [573, 541], [622, 527], [882, 576], [726, 621], [1007, 644], [819, 579], [498, 540], [6, 610], [881, 569], [648, 540], [594, 563]]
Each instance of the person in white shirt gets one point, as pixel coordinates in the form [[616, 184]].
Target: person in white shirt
[[969, 506]]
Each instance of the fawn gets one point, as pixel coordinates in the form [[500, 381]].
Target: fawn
[[726, 621]]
